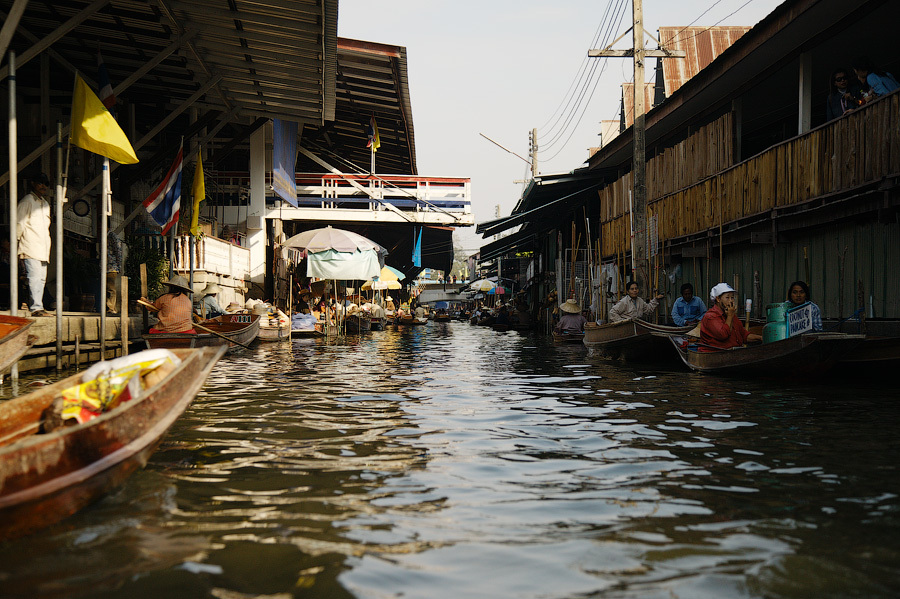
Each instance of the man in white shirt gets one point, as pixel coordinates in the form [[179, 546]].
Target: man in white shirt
[[33, 234]]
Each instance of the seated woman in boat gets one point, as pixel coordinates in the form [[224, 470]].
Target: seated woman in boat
[[502, 316], [688, 309], [720, 326], [632, 306], [208, 304], [175, 309], [798, 294], [571, 321], [389, 304]]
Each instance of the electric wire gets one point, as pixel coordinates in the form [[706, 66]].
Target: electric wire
[[586, 104], [579, 74], [607, 31]]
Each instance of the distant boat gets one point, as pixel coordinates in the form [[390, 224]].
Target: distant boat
[[805, 355], [632, 340], [358, 323], [47, 477], [238, 329], [565, 337]]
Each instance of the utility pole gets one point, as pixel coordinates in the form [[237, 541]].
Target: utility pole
[[533, 145], [639, 159]]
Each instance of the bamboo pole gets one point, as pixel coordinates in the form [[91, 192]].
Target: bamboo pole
[[123, 314]]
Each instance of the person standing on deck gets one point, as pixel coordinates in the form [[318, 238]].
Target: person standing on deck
[[33, 234], [116, 255], [631, 306]]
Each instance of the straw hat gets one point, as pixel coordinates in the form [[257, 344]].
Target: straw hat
[[234, 307], [210, 289], [719, 290], [570, 306], [261, 309], [180, 283], [388, 299]]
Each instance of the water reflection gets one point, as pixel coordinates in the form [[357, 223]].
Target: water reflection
[[447, 461]]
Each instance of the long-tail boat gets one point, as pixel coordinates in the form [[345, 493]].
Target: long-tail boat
[[632, 340], [48, 476], [234, 330], [14, 340], [803, 355]]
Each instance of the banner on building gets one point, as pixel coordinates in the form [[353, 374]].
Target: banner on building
[[284, 160]]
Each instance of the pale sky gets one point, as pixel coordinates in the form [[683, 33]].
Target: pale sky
[[503, 67]]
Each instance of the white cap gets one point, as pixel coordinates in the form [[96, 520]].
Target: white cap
[[719, 290]]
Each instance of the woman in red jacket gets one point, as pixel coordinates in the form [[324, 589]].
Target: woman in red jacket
[[720, 326]]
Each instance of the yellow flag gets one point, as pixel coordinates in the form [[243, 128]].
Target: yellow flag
[[95, 129], [198, 189]]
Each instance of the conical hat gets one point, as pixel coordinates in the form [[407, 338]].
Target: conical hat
[[180, 283], [570, 306]]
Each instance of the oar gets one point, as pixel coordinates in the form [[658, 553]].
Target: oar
[[153, 308]]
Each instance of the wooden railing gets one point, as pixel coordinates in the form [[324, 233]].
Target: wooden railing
[[862, 147]]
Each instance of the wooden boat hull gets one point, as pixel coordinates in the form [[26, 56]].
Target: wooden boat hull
[[299, 333], [274, 334], [632, 340], [14, 340], [356, 324], [378, 324], [568, 337], [45, 478], [412, 321], [500, 328], [238, 328], [875, 357], [804, 355], [442, 318]]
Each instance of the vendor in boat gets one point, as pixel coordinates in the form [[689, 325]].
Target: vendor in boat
[[209, 307], [389, 304], [420, 312], [174, 308], [720, 326], [572, 320], [688, 309], [631, 306], [798, 294]]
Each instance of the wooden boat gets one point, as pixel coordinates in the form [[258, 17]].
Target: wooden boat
[[568, 337], [803, 355], [358, 323], [632, 340], [442, 318], [45, 478], [271, 329], [875, 356], [238, 328], [378, 324], [500, 328], [14, 340], [410, 320], [316, 332]]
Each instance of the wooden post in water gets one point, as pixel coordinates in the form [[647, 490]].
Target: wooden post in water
[[861, 300], [77, 352], [145, 293], [123, 315]]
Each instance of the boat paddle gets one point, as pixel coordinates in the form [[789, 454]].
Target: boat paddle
[[153, 308]]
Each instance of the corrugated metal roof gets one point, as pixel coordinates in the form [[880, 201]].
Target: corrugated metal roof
[[371, 80], [701, 46], [628, 101], [271, 57]]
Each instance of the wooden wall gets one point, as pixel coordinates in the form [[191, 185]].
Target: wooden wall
[[692, 187]]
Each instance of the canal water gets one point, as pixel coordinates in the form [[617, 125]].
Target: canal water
[[452, 461]]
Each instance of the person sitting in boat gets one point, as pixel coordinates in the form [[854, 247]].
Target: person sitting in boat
[[720, 326], [688, 309], [631, 306], [572, 320], [389, 304], [798, 294], [174, 308], [502, 316], [208, 304], [420, 312]]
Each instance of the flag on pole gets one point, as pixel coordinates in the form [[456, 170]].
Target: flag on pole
[[95, 129], [372, 132], [417, 248], [198, 191], [165, 201], [107, 96]]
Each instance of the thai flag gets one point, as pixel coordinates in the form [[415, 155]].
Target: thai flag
[[165, 201], [106, 94], [372, 133]]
